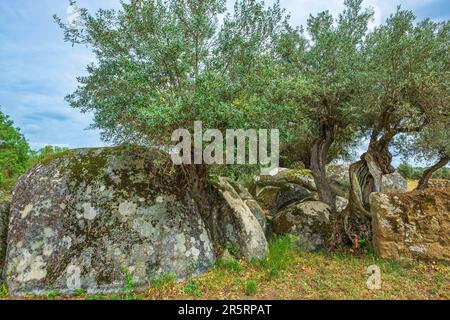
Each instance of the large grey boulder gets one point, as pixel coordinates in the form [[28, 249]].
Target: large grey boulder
[[310, 221], [89, 218], [282, 188], [4, 218], [339, 177], [393, 182], [233, 221]]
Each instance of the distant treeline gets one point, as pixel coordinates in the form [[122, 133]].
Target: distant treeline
[[415, 173], [16, 156]]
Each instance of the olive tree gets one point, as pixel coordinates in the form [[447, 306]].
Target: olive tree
[[161, 65], [329, 53], [431, 145], [406, 90]]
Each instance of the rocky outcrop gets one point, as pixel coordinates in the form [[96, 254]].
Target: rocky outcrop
[[234, 221], [291, 199], [393, 182], [284, 187], [259, 213], [91, 218], [338, 175], [310, 221], [4, 218], [412, 225]]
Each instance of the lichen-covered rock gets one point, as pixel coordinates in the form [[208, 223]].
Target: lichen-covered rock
[[339, 177], [4, 218], [339, 173], [282, 176], [232, 223], [412, 225], [291, 193], [284, 187], [341, 204], [393, 182], [88, 218], [310, 221], [259, 213], [267, 196]]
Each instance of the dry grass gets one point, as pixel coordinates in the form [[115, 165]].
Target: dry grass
[[295, 275], [412, 184], [320, 276]]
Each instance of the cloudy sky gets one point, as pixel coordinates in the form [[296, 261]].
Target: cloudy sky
[[37, 69]]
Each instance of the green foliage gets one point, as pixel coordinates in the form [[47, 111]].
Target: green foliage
[[415, 173], [14, 153], [4, 292], [328, 53], [406, 80], [232, 249], [251, 287], [97, 296], [242, 174], [407, 171], [193, 288], [80, 293], [129, 291], [47, 152], [161, 65], [53, 295], [430, 145]]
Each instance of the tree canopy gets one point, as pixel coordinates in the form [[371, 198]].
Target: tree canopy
[[328, 52], [407, 80], [163, 64]]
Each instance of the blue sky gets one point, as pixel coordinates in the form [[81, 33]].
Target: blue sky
[[37, 69]]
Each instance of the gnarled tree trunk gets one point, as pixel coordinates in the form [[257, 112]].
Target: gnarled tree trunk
[[319, 156], [353, 225], [196, 180], [423, 182]]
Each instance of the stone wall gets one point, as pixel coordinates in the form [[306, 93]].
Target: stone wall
[[413, 225]]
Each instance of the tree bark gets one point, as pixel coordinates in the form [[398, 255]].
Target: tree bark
[[319, 157], [196, 180], [423, 182], [353, 225]]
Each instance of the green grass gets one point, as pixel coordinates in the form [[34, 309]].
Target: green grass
[[251, 287], [165, 281], [229, 265], [53, 295], [282, 252], [4, 293], [192, 288], [80, 293]]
